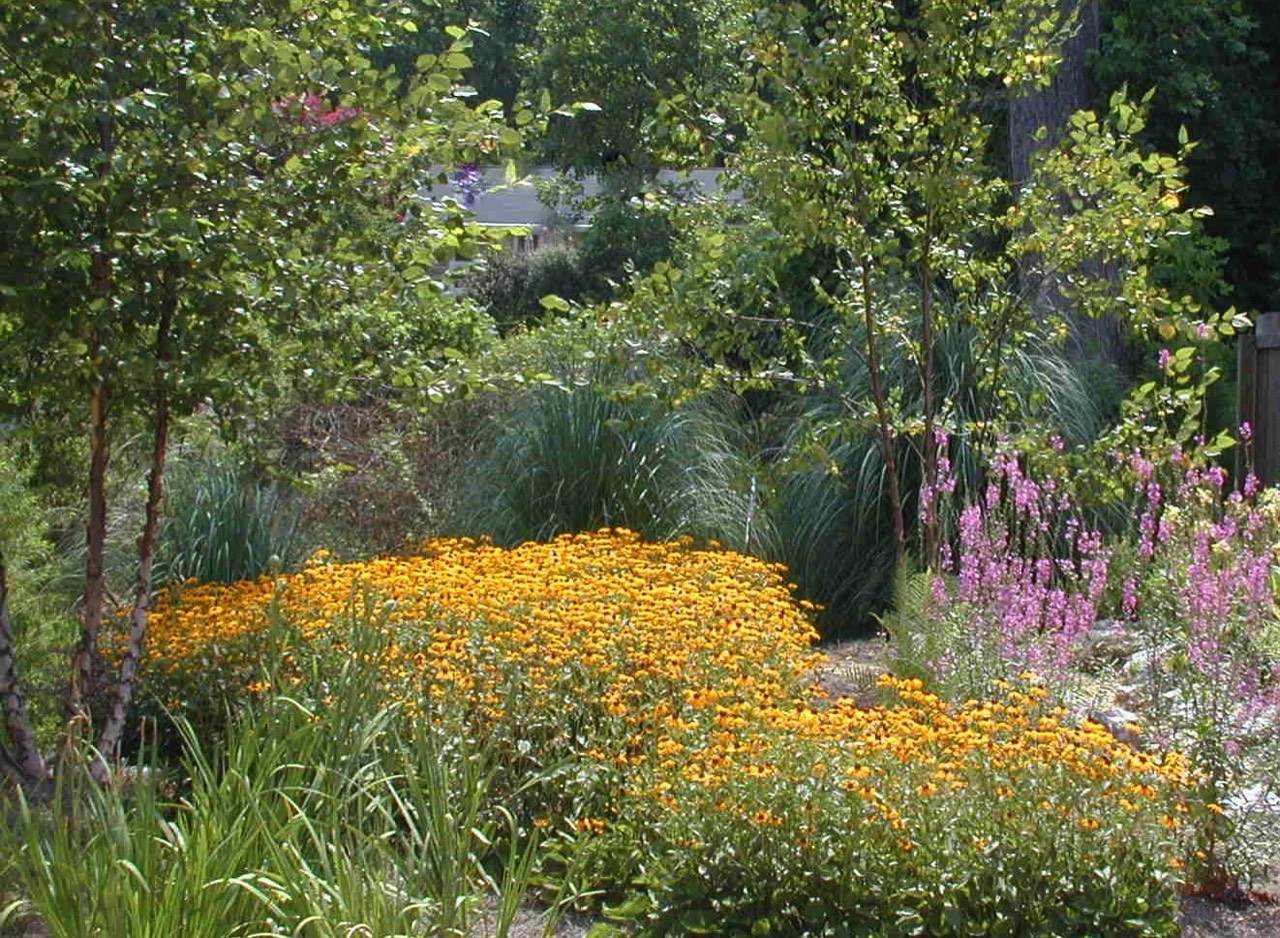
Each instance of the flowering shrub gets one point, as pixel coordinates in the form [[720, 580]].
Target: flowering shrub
[[990, 817], [1193, 588], [1022, 587], [660, 725], [637, 622], [1202, 597], [313, 111]]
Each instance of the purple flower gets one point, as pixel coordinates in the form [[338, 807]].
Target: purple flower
[[470, 182]]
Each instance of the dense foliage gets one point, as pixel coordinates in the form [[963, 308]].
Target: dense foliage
[[589, 507], [1214, 67], [652, 709]]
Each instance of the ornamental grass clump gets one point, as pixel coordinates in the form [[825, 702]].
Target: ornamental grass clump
[[308, 820], [653, 714]]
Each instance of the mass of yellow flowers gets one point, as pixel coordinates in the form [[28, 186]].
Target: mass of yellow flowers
[[679, 665], [641, 622]]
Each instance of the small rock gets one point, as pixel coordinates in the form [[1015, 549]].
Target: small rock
[[1119, 721], [1108, 642]]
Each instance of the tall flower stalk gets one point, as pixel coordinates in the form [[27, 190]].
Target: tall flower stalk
[[1022, 584], [1191, 587]]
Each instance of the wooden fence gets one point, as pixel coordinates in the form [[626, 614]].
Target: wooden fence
[[1260, 395]]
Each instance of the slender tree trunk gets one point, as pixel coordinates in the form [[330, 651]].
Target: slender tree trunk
[[113, 729], [24, 764], [882, 418], [927, 341], [85, 660]]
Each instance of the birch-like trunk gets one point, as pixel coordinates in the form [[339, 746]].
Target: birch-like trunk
[[22, 764], [113, 728]]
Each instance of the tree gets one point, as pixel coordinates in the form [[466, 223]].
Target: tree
[[1213, 65], [499, 29], [183, 185], [870, 132], [625, 63], [1070, 90]]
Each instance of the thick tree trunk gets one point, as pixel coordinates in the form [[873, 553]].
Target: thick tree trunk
[[1072, 90], [24, 765], [113, 729]]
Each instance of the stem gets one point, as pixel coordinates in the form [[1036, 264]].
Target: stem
[[113, 729], [882, 419], [931, 539], [85, 660]]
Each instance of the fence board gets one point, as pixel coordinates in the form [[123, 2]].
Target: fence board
[[1259, 374]]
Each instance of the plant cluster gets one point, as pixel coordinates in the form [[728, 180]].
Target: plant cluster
[[657, 719], [1188, 588], [1202, 598], [304, 820]]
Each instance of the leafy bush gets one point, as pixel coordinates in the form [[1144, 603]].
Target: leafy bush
[[651, 713], [623, 238], [362, 349], [511, 286], [22, 540], [369, 475], [40, 614]]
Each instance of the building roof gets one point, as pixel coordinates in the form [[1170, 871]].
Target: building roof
[[500, 203]]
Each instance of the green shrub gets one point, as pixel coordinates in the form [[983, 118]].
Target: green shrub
[[624, 238], [511, 286], [41, 614], [22, 522]]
